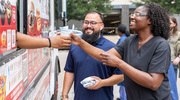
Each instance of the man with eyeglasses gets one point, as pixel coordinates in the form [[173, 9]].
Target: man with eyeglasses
[[80, 65]]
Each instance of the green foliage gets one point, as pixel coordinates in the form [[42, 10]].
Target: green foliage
[[76, 9], [171, 6], [56, 9]]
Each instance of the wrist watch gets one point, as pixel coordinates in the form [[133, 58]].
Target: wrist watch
[[63, 96]]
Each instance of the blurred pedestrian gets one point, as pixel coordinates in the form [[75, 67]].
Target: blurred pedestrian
[[174, 37], [172, 72], [123, 33], [177, 60]]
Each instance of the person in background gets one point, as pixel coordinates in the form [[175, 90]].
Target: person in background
[[80, 65], [172, 82], [172, 72], [174, 37], [144, 58], [177, 60], [123, 33], [28, 42]]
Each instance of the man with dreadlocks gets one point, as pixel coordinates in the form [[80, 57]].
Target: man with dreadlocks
[[144, 58]]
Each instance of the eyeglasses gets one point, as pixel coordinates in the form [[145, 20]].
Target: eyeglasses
[[92, 23], [137, 14]]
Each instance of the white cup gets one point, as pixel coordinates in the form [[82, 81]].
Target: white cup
[[78, 33], [65, 32]]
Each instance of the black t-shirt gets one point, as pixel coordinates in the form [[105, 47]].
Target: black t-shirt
[[152, 57]]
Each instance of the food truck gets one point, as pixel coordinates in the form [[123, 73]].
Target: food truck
[[27, 74]]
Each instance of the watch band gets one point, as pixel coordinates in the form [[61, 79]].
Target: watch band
[[64, 96], [49, 42]]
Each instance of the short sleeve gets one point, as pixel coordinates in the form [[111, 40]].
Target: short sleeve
[[120, 48], [161, 59], [69, 67], [123, 45], [117, 71]]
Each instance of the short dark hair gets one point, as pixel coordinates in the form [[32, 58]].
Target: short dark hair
[[159, 20], [100, 15], [123, 29]]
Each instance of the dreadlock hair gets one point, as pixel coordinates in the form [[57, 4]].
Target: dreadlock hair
[[159, 20], [175, 29], [100, 15]]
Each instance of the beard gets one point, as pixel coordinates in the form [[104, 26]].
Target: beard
[[90, 38]]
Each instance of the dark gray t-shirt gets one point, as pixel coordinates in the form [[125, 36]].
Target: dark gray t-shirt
[[152, 57]]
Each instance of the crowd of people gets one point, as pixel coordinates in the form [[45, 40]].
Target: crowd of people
[[140, 62]]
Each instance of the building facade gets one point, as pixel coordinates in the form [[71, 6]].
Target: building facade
[[118, 15]]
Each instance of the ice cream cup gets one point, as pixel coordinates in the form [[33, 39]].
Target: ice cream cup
[[65, 32]]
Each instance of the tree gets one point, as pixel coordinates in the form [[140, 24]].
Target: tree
[[171, 6], [76, 9]]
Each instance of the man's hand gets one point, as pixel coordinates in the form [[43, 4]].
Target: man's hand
[[75, 39], [60, 41], [97, 85]]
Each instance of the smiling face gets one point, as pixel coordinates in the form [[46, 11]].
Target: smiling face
[[92, 27], [139, 19]]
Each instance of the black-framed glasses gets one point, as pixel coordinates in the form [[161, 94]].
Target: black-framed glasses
[[92, 23], [137, 14]]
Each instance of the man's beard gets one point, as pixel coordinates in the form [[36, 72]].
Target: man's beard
[[90, 38]]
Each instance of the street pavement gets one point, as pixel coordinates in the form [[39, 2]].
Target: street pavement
[[62, 57]]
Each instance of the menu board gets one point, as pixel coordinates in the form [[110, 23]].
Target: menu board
[[38, 17], [7, 25], [41, 90], [18, 73], [3, 77], [38, 26], [14, 80]]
